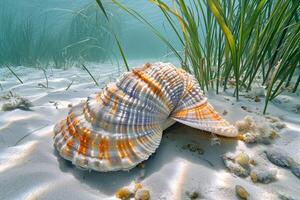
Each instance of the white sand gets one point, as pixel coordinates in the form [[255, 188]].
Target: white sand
[[31, 169]]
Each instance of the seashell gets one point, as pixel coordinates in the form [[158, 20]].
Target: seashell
[[262, 175], [122, 125], [241, 192], [279, 157]]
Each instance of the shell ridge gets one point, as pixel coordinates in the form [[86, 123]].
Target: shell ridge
[[122, 125]]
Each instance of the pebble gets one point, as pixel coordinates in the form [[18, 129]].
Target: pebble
[[195, 148], [242, 159], [279, 157], [242, 192], [225, 112], [262, 175], [194, 195], [236, 168], [142, 194], [124, 193]]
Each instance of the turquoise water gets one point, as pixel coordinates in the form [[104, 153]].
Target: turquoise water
[[70, 31]]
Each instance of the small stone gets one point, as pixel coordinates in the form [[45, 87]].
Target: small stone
[[250, 138], [241, 192], [195, 148], [235, 168], [70, 105], [242, 159], [194, 195], [253, 176], [257, 99], [274, 135], [279, 157], [244, 107], [215, 141], [225, 112], [142, 195], [253, 162], [137, 186], [262, 175], [124, 193], [240, 136], [141, 165]]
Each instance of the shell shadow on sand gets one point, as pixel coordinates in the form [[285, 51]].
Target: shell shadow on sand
[[175, 139]]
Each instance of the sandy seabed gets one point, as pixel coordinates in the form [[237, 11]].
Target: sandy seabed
[[30, 168]]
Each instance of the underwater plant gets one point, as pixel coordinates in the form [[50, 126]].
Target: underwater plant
[[28, 41], [88, 35], [234, 43], [99, 2]]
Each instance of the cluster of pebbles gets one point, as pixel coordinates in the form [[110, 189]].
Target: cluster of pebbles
[[242, 165], [133, 191], [262, 130]]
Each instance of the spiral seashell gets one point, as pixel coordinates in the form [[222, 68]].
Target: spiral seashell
[[122, 125]]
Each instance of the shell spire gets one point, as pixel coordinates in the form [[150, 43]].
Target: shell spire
[[122, 125]]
